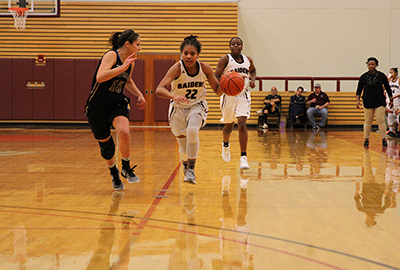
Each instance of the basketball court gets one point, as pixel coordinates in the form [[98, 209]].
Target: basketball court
[[311, 200]]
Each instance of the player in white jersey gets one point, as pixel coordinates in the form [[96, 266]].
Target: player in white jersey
[[394, 112], [237, 107], [188, 109]]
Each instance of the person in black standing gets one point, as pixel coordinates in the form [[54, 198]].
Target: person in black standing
[[372, 85], [107, 106], [297, 106]]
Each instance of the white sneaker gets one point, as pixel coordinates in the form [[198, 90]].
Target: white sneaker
[[226, 181], [190, 177], [226, 153], [265, 126], [244, 165]]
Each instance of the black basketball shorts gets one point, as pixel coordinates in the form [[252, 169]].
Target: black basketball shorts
[[100, 117]]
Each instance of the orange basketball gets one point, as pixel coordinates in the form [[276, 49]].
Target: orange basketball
[[232, 83]]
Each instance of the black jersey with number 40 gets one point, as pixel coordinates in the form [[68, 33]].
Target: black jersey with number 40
[[111, 91]]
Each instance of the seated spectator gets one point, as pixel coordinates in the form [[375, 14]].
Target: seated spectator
[[318, 101], [272, 105], [297, 106]]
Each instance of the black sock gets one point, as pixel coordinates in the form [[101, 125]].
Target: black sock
[[243, 153], [126, 164], [226, 144], [114, 170], [191, 164]]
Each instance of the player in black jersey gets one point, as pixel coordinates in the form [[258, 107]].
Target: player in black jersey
[[107, 106]]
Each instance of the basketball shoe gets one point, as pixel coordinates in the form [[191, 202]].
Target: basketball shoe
[[130, 175], [244, 165], [116, 181], [190, 177], [226, 153]]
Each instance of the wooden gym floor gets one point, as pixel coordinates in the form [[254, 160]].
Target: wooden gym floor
[[309, 201]]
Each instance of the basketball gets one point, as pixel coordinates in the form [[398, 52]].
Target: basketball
[[232, 83]]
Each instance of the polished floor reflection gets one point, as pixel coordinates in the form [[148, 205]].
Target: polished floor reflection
[[311, 200]]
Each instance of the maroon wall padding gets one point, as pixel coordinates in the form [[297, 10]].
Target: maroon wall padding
[[5, 88], [64, 96], [161, 105], [84, 71], [43, 98], [22, 98], [138, 78]]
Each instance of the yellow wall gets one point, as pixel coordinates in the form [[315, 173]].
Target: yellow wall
[[83, 29]]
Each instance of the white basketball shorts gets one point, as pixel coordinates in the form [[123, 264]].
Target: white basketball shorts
[[178, 117], [234, 107]]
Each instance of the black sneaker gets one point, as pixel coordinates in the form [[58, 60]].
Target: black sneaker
[[130, 175], [384, 143], [116, 182], [366, 143], [391, 134]]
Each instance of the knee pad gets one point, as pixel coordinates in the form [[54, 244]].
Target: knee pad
[[107, 149], [192, 135]]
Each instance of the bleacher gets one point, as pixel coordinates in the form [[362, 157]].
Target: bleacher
[[342, 109]]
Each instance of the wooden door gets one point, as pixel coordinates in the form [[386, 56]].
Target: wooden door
[[154, 68]]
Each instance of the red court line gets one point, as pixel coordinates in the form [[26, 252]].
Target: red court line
[[155, 203]]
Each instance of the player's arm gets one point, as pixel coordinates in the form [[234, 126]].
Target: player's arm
[[163, 92], [221, 66], [212, 80], [131, 86], [105, 72], [253, 73]]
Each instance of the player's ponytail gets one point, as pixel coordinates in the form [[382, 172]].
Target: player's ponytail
[[118, 39], [191, 40]]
